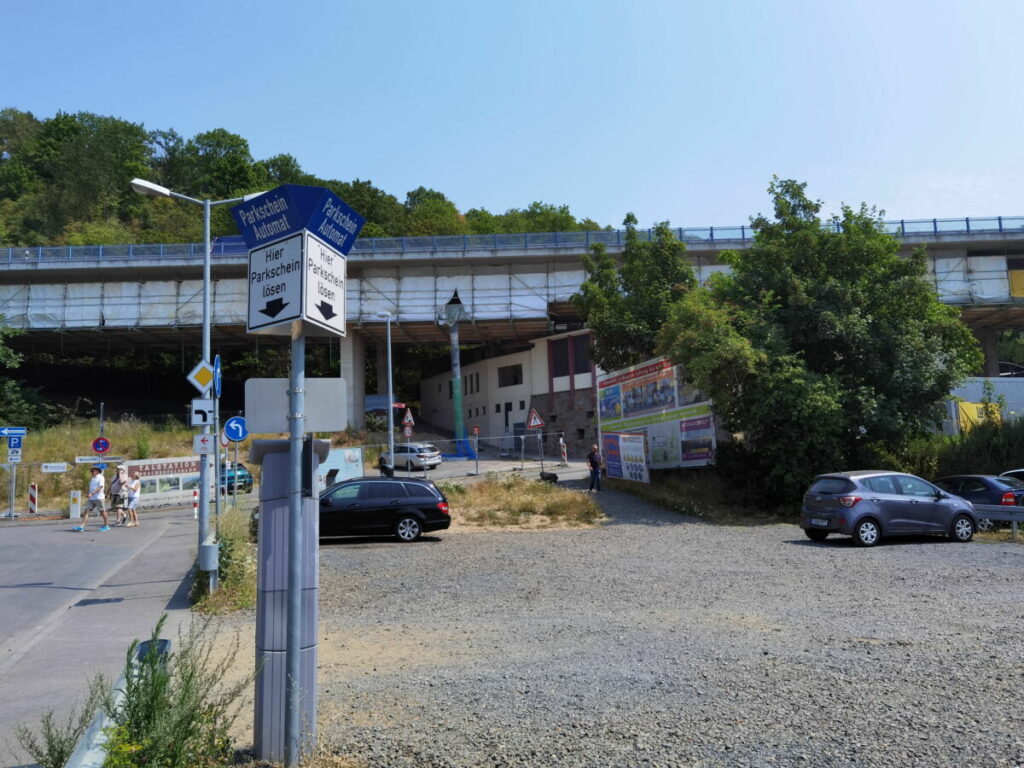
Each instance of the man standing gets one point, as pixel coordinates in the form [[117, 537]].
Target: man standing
[[97, 491], [594, 462]]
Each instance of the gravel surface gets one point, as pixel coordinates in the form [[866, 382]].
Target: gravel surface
[[654, 640]]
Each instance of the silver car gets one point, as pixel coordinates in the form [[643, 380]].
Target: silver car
[[412, 456], [870, 504]]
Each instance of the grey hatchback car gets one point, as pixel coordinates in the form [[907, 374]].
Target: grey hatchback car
[[870, 504]]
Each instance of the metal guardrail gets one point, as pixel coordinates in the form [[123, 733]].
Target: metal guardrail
[[228, 247], [1006, 514]]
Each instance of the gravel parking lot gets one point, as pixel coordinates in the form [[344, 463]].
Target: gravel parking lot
[[654, 640]]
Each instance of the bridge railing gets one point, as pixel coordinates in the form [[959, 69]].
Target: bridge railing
[[228, 247]]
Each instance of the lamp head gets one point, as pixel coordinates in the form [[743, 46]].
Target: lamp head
[[149, 189]]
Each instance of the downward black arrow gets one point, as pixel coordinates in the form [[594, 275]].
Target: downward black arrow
[[326, 310], [274, 307]]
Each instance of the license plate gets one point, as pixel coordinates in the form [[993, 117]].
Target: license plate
[[818, 521]]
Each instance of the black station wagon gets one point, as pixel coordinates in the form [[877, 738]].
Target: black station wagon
[[371, 506]]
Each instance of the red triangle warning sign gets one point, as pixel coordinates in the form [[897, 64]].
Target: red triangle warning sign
[[534, 421]]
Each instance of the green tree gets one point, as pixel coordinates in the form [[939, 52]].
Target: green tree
[[429, 212], [626, 303], [823, 349]]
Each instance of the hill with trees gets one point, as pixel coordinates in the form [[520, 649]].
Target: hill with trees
[[64, 180]]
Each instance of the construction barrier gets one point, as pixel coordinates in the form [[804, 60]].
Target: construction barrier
[[33, 498]]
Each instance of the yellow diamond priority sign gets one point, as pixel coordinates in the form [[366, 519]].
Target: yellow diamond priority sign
[[201, 377]]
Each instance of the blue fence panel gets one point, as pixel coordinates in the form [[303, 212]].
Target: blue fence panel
[[1013, 223], [541, 239], [992, 224], [732, 233], [918, 227], [508, 241], [606, 236]]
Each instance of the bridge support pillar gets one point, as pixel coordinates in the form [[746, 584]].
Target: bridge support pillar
[[353, 371], [989, 338], [382, 369]]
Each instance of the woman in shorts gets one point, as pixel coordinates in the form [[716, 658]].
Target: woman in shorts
[[134, 491]]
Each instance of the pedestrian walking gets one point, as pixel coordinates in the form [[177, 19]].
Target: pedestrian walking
[[119, 495], [95, 499], [134, 491], [594, 461]]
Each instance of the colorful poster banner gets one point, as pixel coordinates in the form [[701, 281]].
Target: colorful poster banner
[[652, 401]]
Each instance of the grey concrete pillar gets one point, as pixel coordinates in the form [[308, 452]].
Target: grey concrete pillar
[[382, 369], [353, 371], [989, 340], [272, 600]]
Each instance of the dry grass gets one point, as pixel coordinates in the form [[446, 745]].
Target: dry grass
[[237, 586], [513, 501]]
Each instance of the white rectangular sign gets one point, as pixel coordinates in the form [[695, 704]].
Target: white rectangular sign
[[266, 405], [13, 458], [275, 283], [324, 291], [97, 459], [202, 413], [204, 443], [55, 467]]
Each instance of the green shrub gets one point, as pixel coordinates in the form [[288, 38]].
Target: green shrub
[[177, 711], [55, 742]]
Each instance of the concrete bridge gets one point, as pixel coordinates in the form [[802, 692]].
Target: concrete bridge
[[516, 287]]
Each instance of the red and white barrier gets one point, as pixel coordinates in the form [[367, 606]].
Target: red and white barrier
[[33, 498], [195, 504]]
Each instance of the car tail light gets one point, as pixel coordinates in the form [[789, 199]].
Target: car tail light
[[1008, 500], [849, 501], [443, 506]]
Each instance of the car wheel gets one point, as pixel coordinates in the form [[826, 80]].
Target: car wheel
[[984, 524], [867, 533], [408, 529], [962, 529], [816, 535]]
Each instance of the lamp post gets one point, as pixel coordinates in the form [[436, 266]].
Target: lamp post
[[149, 189], [450, 315], [391, 397]]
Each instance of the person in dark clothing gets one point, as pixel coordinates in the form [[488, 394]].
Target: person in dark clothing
[[594, 462], [385, 469]]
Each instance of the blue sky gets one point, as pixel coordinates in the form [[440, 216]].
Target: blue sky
[[674, 110]]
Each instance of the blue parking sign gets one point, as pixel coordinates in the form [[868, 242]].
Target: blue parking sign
[[14, 441]]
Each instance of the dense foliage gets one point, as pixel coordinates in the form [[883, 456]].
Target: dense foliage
[[626, 301], [64, 180], [822, 349]]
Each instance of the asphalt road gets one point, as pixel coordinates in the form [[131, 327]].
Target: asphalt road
[[71, 604]]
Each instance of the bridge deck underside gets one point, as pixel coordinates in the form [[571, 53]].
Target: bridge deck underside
[[102, 340]]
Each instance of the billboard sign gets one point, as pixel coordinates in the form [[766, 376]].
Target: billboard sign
[[653, 401]]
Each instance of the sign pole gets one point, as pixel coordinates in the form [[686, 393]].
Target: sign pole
[[296, 403], [540, 448], [13, 473]]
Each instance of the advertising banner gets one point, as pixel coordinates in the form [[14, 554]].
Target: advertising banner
[[625, 456], [653, 402]]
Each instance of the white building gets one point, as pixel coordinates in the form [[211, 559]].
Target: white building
[[555, 376]]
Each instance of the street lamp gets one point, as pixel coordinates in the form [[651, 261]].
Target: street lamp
[[450, 315], [391, 397], [149, 189]]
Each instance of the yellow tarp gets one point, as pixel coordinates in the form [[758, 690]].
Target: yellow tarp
[[972, 414]]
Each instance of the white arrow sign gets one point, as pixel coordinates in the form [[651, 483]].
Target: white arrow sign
[[203, 443], [275, 283], [324, 292]]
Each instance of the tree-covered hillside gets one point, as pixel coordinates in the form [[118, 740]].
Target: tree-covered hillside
[[64, 180]]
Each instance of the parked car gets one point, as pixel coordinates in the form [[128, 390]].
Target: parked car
[[412, 456], [1006, 368], [1004, 490], [1016, 473], [405, 507], [235, 477], [870, 504]]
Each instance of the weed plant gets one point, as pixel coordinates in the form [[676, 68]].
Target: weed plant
[[236, 564], [177, 710], [56, 740]]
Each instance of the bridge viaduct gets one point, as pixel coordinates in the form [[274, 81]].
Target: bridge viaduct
[[516, 287]]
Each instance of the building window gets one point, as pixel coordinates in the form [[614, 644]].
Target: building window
[[469, 413], [580, 359], [497, 407], [559, 357], [485, 410], [522, 405], [510, 375], [581, 433]]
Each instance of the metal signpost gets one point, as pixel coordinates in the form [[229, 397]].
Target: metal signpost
[[298, 237], [14, 436], [534, 421]]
